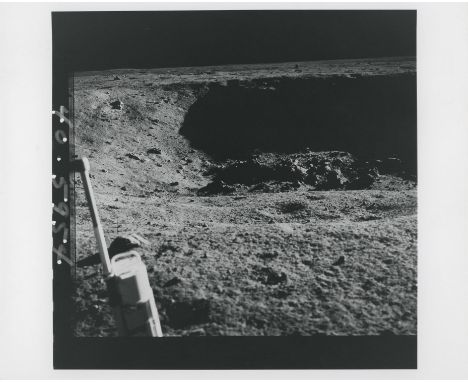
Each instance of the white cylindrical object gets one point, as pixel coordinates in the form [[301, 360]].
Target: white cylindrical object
[[138, 312]]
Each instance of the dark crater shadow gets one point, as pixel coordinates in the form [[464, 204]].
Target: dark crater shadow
[[371, 117]]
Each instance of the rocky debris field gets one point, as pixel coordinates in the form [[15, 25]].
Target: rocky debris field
[[300, 239], [271, 172]]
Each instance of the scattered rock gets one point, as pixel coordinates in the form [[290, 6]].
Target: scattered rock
[[307, 262], [282, 294], [133, 156], [116, 105], [368, 217], [273, 172], [340, 261], [172, 282], [269, 276], [270, 255], [174, 184], [153, 150]]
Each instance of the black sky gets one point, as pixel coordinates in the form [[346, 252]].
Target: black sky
[[104, 40]]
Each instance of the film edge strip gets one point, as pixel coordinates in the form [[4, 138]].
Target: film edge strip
[[61, 190]]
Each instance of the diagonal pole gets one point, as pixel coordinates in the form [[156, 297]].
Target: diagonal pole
[[83, 167]]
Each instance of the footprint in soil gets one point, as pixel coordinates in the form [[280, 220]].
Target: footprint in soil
[[181, 314]]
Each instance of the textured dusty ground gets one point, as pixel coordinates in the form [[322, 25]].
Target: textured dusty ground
[[292, 260]]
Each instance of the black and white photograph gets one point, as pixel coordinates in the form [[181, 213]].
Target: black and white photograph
[[260, 190], [261, 165]]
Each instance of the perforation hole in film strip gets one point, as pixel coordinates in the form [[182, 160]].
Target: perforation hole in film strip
[[60, 187]]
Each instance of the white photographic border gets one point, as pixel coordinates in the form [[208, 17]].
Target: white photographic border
[[25, 193]]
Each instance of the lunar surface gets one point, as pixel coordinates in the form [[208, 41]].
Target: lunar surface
[[274, 199]]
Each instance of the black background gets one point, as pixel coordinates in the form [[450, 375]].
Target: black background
[[105, 40]]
